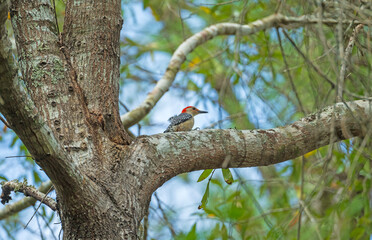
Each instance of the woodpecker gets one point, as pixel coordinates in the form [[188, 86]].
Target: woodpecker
[[184, 121]]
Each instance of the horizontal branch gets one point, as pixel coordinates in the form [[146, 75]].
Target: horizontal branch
[[206, 149], [179, 56], [28, 191], [24, 203]]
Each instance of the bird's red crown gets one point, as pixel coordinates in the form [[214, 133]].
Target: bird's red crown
[[185, 109]]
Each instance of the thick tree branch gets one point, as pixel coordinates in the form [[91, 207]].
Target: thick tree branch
[[24, 203], [37, 46], [16, 186], [92, 49], [36, 116], [14, 102], [179, 56], [188, 151]]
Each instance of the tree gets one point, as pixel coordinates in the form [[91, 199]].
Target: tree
[[60, 96]]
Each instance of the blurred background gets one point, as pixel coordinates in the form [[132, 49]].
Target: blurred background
[[266, 80]]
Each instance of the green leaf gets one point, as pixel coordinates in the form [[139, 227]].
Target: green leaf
[[204, 200], [192, 86], [224, 233], [227, 176], [145, 3], [355, 206], [131, 42], [192, 234], [51, 217], [274, 233], [358, 233], [218, 183], [14, 140], [205, 174], [215, 233], [36, 177], [43, 211]]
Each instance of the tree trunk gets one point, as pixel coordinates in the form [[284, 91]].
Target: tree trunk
[[103, 210], [71, 124]]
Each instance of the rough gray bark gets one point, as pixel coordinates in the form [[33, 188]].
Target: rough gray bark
[[65, 110], [74, 135]]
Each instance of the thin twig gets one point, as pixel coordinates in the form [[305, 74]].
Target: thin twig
[[10, 186], [5, 122], [24, 203], [288, 72], [165, 216], [323, 40], [256, 203], [124, 106], [48, 225], [316, 68], [209, 180], [138, 124], [38, 225], [340, 43], [232, 116], [306, 210], [59, 234], [18, 156], [55, 15], [217, 4], [345, 60], [46, 195], [354, 162], [182, 23], [326, 161], [301, 197], [212, 56]]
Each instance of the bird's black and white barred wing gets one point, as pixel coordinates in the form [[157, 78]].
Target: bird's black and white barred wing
[[177, 119]]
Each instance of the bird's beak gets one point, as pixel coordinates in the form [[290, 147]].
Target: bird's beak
[[200, 111]]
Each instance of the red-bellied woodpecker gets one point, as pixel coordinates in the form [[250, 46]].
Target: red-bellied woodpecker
[[184, 121]]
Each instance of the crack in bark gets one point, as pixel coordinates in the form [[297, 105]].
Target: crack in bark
[[109, 194], [91, 121], [73, 77], [241, 135]]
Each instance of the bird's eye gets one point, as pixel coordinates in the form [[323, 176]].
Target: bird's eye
[[193, 108]]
